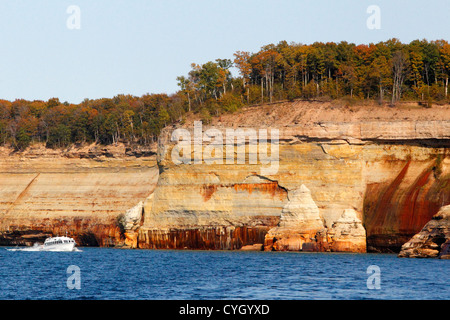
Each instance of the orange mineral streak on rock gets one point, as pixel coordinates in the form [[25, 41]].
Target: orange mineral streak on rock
[[376, 219], [349, 246], [416, 210], [395, 212], [272, 188], [207, 191], [131, 239], [213, 238]]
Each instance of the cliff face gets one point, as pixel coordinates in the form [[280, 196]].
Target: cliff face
[[375, 175], [82, 192], [348, 179], [433, 240]]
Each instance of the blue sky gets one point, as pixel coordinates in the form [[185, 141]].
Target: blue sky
[[141, 46]]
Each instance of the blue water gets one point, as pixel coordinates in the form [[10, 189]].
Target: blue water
[[158, 274]]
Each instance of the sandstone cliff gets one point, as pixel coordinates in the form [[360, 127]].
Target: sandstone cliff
[[348, 179], [81, 191], [376, 176]]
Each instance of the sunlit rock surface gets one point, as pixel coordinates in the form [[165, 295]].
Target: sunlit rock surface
[[347, 234], [299, 225], [389, 166], [79, 192], [130, 222], [433, 240]]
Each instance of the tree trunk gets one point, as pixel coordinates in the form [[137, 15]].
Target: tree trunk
[[189, 101], [262, 90], [248, 95], [446, 87]]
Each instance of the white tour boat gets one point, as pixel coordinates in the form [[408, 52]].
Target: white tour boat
[[59, 244]]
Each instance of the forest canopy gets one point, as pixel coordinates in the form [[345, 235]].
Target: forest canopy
[[386, 72]]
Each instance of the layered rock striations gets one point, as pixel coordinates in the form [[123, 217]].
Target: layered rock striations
[[301, 227], [375, 178], [130, 222], [81, 192], [347, 234], [197, 209]]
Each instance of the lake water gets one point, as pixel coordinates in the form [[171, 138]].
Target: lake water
[[159, 274]]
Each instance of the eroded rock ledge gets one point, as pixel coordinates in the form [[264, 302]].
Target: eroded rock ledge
[[302, 228], [433, 241]]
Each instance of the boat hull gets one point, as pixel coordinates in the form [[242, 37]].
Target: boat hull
[[66, 247], [59, 247]]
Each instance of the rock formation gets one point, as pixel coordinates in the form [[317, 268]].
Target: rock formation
[[347, 234], [302, 229], [130, 222], [299, 225], [433, 240]]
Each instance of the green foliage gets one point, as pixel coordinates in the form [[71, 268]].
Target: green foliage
[[163, 117], [23, 139], [230, 102], [60, 136], [205, 116], [310, 90]]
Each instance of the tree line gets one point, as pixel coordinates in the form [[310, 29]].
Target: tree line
[[387, 72]]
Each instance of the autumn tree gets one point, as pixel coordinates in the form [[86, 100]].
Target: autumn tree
[[241, 61], [399, 70], [224, 76], [187, 88]]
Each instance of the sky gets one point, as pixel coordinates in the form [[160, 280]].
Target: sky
[[141, 46]]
